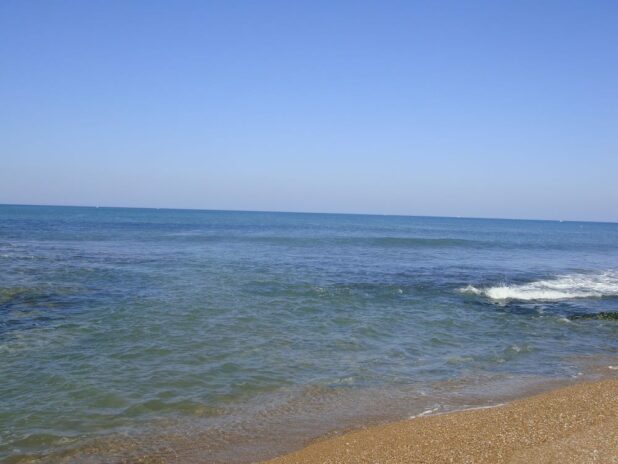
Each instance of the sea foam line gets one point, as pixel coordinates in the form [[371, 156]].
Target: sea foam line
[[562, 287]]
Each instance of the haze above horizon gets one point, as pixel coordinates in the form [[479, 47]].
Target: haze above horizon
[[424, 109]]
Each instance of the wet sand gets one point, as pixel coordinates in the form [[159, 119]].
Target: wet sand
[[575, 424]]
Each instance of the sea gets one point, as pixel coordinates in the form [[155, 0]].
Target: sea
[[159, 335]]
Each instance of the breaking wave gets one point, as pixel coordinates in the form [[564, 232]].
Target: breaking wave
[[562, 287]]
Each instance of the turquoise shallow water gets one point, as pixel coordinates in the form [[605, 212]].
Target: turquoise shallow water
[[125, 332]]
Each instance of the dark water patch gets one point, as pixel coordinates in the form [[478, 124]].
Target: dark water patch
[[38, 296], [156, 407], [602, 316], [358, 290], [417, 242], [25, 308], [556, 310], [353, 241], [395, 242]]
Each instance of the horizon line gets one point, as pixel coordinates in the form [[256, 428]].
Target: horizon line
[[306, 212]]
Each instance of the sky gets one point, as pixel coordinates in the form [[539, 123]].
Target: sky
[[482, 109]]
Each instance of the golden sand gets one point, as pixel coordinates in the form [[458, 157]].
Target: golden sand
[[576, 424]]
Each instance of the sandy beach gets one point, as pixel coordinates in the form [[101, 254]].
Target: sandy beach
[[575, 424]]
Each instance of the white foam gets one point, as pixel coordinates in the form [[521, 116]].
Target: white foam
[[434, 411], [559, 288], [426, 413]]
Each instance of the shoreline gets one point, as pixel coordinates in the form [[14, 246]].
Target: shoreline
[[426, 435], [576, 423]]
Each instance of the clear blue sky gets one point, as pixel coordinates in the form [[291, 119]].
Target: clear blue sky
[[492, 109]]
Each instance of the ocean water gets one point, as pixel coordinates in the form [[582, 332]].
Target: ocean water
[[217, 336]]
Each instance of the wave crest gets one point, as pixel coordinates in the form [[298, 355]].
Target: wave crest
[[563, 287]]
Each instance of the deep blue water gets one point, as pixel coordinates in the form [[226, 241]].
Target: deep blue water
[[152, 329]]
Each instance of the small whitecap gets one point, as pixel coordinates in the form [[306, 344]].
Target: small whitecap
[[563, 287], [471, 290]]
